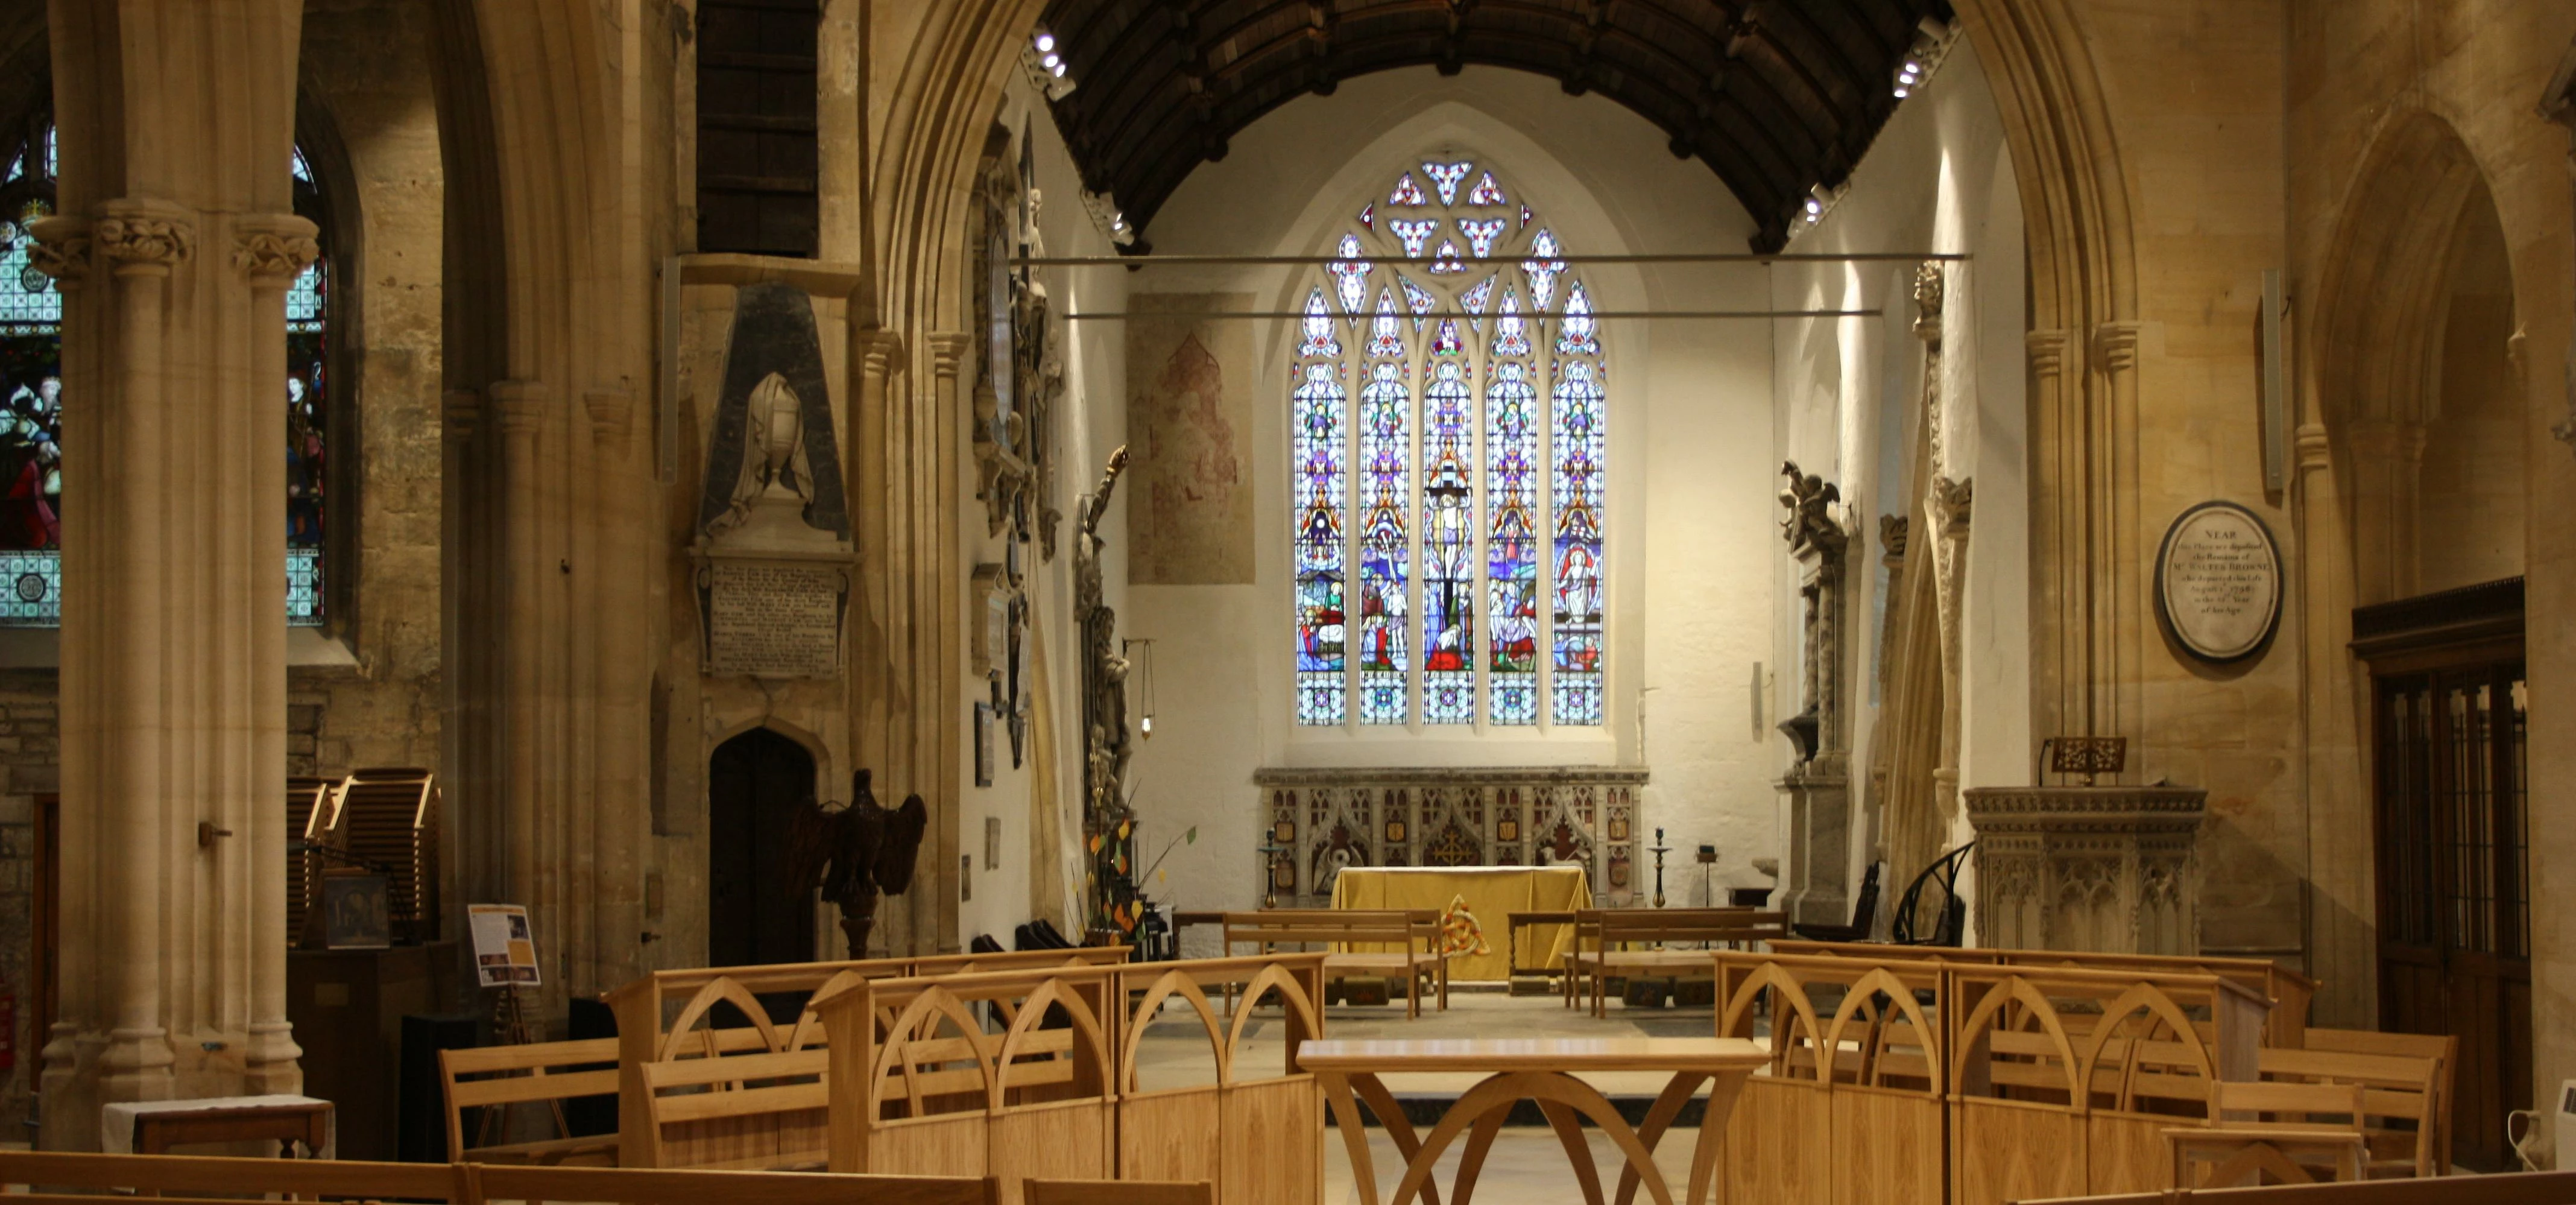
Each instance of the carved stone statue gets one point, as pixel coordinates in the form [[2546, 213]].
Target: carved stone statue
[[854, 855], [1104, 687], [1810, 501]]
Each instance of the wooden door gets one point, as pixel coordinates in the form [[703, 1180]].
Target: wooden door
[[2454, 893], [754, 784]]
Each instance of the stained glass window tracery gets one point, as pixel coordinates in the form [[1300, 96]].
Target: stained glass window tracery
[[32, 400], [1475, 478]]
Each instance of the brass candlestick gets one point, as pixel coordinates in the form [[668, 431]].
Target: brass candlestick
[[1660, 849]]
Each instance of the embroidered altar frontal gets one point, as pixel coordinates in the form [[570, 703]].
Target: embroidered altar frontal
[[1322, 821]]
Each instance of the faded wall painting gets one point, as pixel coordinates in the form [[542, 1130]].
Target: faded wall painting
[[1189, 416]]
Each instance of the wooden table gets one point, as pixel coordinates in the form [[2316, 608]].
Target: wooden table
[[153, 1127], [1542, 1070]]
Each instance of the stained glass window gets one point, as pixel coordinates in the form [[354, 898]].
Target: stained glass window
[[1448, 545], [1511, 542], [1320, 403], [1386, 493], [1471, 468], [32, 400], [1579, 448]]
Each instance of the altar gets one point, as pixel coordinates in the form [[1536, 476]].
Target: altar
[[1491, 892]]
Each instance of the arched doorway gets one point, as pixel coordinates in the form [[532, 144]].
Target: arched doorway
[[755, 782], [2423, 411]]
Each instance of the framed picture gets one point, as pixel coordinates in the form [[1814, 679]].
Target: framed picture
[[355, 914], [983, 744]]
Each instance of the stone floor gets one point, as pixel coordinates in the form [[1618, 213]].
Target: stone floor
[[1526, 1164]]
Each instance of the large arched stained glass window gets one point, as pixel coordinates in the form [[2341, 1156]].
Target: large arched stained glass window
[[1449, 423], [31, 401]]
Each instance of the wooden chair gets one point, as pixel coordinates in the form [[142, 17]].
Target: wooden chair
[[2327, 1128], [1117, 1192], [746, 1112], [660, 1186], [496, 1077]]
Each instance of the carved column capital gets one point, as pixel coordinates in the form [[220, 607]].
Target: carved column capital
[[947, 350], [519, 407], [144, 237], [460, 411], [61, 249], [880, 353], [2047, 352], [2117, 344], [612, 417], [2312, 446], [271, 249]]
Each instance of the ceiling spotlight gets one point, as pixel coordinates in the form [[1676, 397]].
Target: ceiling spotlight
[[1046, 42], [1057, 70], [1931, 42], [1053, 61], [1044, 68], [1814, 208]]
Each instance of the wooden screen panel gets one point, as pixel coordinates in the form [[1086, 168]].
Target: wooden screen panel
[[1993, 1145], [1274, 1143], [1778, 1143], [1172, 1135], [1067, 1140], [1886, 1146]]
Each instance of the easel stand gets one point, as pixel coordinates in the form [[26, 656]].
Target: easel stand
[[510, 1022]]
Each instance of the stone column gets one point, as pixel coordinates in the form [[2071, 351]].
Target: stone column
[[2058, 585], [2118, 623], [270, 251], [519, 839], [138, 734]]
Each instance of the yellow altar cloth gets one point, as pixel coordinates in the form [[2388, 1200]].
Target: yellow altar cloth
[[1492, 893]]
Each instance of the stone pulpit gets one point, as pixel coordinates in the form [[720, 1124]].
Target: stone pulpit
[[2107, 868]]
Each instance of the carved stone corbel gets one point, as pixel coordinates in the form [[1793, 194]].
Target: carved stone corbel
[[61, 250], [271, 250], [144, 236]]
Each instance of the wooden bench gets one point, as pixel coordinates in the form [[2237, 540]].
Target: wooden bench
[[2443, 1049], [2282, 1130], [2401, 1102], [1532, 920], [2521, 1188], [497, 1077], [71, 1179], [744, 1112], [1413, 934], [1613, 936]]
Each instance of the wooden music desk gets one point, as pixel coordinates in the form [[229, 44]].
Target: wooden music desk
[[1543, 1070]]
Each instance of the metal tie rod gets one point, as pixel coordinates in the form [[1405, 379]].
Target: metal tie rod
[[1682, 257], [1537, 317]]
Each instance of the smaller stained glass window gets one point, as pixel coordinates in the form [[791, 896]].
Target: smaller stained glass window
[[1406, 194], [1414, 233], [1386, 493], [1579, 447], [1542, 266], [1416, 299], [1446, 177], [1446, 258], [1574, 335], [1350, 274], [1385, 342], [1511, 331], [1320, 481], [1318, 339], [1486, 191], [1481, 233]]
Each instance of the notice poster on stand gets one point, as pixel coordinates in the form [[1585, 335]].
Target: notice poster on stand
[[504, 954]]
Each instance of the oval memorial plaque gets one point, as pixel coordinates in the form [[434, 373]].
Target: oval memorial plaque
[[2218, 581]]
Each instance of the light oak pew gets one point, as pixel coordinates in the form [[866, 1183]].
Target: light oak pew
[[1852, 1108], [1247, 1130], [2443, 1049], [2523, 1188], [2289, 991], [1118, 1192], [1414, 935], [497, 1077], [916, 1085], [2294, 1133], [74, 1179], [2395, 1089], [1613, 933], [2092, 1064], [671, 1015]]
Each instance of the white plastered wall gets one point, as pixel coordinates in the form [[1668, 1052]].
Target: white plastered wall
[[1692, 541], [1849, 391]]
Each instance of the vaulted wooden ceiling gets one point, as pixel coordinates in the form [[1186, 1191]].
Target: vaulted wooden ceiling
[[1776, 96]]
